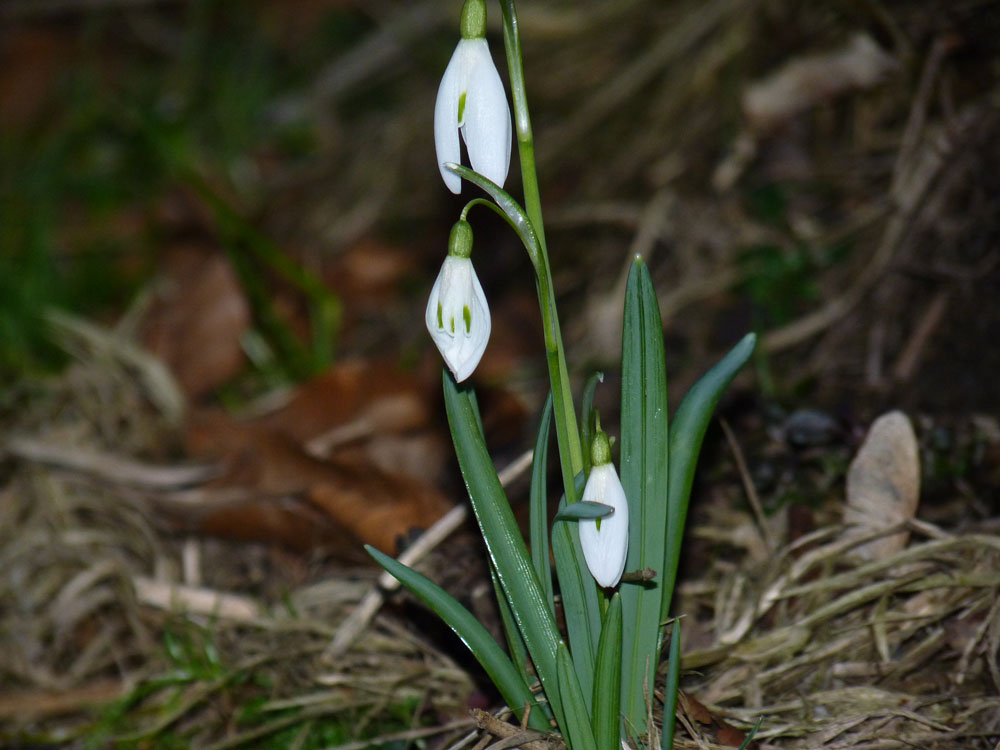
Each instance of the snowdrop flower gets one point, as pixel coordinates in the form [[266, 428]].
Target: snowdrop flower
[[457, 316], [605, 540], [471, 98]]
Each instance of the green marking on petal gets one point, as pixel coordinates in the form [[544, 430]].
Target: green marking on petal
[[461, 109], [452, 326], [597, 522], [467, 317], [440, 316]]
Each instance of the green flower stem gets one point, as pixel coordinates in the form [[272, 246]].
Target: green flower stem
[[483, 202], [567, 433]]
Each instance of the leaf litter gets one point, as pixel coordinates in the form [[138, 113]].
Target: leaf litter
[[106, 596]]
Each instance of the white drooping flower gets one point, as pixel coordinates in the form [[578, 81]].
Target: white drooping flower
[[457, 316], [471, 99], [605, 540]]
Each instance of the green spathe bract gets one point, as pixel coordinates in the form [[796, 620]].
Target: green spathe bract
[[594, 679]]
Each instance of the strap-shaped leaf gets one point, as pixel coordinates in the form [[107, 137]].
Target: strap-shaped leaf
[[539, 507], [515, 643], [482, 645], [504, 542], [577, 727], [580, 597], [690, 424], [608, 678], [644, 455]]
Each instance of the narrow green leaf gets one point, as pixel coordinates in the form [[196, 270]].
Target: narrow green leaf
[[482, 645], [504, 542], [690, 424], [644, 455], [584, 509], [751, 734], [608, 678], [539, 507], [580, 597], [515, 643], [670, 689], [587, 417], [577, 727]]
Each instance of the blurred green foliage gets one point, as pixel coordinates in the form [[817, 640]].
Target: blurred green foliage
[[132, 119]]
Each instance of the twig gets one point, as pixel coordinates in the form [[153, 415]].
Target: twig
[[929, 322], [107, 467], [751, 491], [38, 703], [195, 599], [510, 735]]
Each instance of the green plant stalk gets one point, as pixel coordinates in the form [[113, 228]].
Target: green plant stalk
[[567, 433]]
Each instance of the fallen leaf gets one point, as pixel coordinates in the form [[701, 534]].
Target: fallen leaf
[[724, 733], [883, 485], [197, 319], [353, 400], [350, 457], [303, 502]]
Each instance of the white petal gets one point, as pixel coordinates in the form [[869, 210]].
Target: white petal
[[487, 128], [446, 118], [460, 342], [605, 549]]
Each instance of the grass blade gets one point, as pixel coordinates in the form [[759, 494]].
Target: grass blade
[[577, 727], [482, 645], [539, 507], [690, 423], [608, 678], [504, 542], [644, 457], [670, 689]]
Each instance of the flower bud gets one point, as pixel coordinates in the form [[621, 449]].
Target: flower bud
[[605, 540], [458, 317]]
